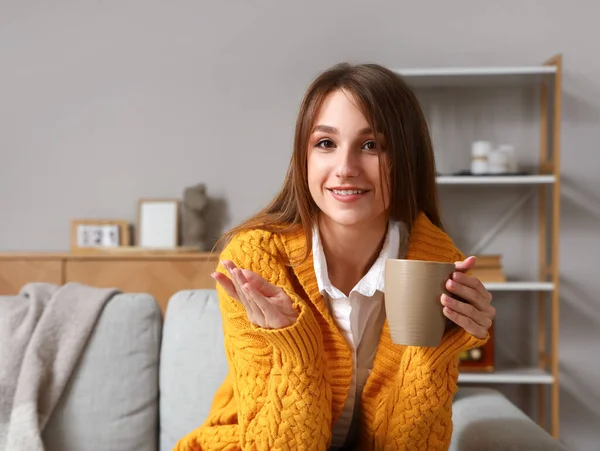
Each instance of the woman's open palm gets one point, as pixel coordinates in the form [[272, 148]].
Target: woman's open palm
[[267, 305]]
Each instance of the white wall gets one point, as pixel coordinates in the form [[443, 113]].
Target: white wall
[[102, 103]]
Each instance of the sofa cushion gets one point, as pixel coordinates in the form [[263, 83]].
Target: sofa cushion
[[111, 400], [193, 363], [484, 419]]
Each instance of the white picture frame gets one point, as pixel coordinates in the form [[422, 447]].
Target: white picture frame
[[158, 223]]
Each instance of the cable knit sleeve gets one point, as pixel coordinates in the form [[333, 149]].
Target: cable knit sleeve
[[278, 375], [416, 408], [415, 392]]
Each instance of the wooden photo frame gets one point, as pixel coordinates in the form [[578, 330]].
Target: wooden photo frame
[[99, 234], [158, 223]]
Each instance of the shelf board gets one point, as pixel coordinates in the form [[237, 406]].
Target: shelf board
[[477, 76], [495, 179], [519, 286], [527, 375]]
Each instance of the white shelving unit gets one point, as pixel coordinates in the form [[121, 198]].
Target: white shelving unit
[[519, 286], [495, 179], [546, 77], [478, 76], [527, 375]]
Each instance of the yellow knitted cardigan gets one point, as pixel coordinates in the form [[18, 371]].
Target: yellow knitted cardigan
[[287, 387]]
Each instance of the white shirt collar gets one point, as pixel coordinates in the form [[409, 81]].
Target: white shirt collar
[[375, 277]]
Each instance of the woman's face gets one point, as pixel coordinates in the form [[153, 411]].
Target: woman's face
[[343, 164]]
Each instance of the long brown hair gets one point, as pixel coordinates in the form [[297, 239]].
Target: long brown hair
[[392, 109]]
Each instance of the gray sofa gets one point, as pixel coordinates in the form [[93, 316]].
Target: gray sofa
[[141, 384]]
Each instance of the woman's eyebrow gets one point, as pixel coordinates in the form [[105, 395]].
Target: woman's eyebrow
[[335, 131]]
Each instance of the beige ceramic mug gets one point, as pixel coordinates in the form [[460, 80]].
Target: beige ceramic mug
[[413, 290]]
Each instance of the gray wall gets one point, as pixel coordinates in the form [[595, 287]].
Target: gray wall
[[102, 103]]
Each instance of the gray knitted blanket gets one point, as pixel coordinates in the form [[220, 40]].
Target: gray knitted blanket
[[43, 331]]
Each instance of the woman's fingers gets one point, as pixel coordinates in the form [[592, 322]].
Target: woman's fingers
[[266, 288], [470, 289], [462, 291], [265, 303], [226, 283], [466, 323], [232, 289], [466, 316], [467, 310], [230, 267], [467, 264], [238, 283], [274, 317], [268, 310], [254, 279], [254, 312]]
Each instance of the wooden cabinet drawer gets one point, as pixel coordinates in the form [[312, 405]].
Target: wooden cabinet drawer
[[160, 278], [14, 273]]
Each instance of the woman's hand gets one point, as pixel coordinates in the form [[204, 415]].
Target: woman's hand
[[267, 305], [476, 314]]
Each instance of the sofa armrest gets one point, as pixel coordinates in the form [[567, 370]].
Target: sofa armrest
[[484, 419]]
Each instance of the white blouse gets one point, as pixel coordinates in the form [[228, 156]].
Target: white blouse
[[359, 317]]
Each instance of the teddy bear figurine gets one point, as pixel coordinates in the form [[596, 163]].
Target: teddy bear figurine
[[193, 223]]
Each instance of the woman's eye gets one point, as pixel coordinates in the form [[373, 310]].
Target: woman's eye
[[325, 144], [370, 145]]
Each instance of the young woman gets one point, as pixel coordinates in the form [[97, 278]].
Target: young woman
[[311, 362]]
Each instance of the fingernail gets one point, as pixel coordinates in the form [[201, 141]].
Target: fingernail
[[213, 275]]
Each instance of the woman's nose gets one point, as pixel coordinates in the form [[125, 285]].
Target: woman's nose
[[348, 163]]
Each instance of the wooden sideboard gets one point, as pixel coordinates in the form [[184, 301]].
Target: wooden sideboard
[[160, 274]]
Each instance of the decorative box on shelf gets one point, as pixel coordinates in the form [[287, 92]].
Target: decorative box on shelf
[[480, 358], [488, 268]]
